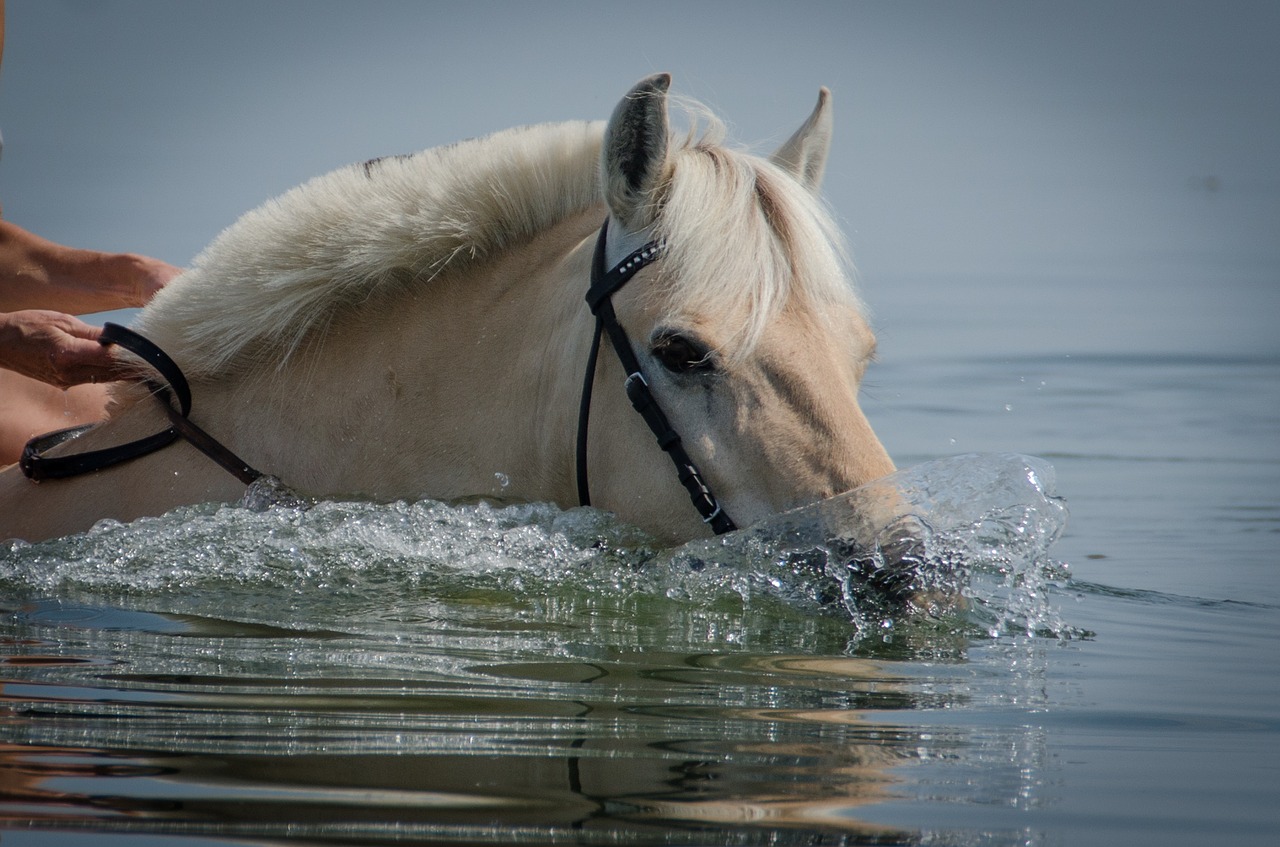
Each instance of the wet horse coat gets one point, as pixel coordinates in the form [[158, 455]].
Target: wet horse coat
[[415, 327]]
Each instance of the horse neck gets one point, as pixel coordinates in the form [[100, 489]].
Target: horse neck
[[465, 385], [176, 475]]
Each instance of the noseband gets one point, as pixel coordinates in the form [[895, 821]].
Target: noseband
[[604, 283]]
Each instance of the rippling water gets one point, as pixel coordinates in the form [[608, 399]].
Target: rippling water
[[433, 673]]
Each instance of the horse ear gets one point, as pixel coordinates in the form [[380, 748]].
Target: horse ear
[[804, 155], [633, 162]]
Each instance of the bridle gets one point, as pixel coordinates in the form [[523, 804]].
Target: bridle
[[36, 466], [604, 283]]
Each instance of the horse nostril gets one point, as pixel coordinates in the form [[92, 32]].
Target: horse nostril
[[902, 556], [890, 574]]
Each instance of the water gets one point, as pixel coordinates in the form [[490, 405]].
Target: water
[[425, 673]]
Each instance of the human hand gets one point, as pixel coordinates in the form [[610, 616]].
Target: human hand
[[55, 348]]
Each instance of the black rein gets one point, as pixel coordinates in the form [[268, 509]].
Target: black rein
[[37, 466]]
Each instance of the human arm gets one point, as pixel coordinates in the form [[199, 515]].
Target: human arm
[[36, 273]]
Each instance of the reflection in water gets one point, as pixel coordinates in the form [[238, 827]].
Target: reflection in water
[[633, 743], [429, 673]]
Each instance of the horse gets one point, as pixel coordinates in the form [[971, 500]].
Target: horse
[[415, 327]]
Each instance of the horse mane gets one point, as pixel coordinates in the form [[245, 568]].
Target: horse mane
[[265, 282], [744, 239], [738, 229]]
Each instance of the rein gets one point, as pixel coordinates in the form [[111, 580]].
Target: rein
[[36, 466], [604, 283]]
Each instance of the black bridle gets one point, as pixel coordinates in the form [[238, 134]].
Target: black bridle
[[37, 466], [604, 283]]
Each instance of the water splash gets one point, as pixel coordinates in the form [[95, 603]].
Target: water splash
[[963, 538], [967, 535]]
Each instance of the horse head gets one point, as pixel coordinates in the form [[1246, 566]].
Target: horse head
[[746, 326], [415, 327]]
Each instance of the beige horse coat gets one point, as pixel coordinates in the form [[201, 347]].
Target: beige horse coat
[[415, 327]]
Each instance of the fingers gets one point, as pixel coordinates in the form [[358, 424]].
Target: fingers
[[73, 327], [77, 360], [55, 348]]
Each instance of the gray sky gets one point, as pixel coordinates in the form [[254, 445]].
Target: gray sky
[[1107, 173]]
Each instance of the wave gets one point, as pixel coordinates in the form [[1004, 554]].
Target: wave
[[963, 541]]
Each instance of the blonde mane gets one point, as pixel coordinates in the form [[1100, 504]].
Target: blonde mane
[[741, 234], [282, 269], [744, 239]]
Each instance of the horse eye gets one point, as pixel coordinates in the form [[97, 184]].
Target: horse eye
[[681, 354]]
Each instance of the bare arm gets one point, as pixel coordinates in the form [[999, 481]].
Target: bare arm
[[36, 273]]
